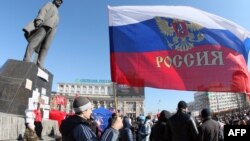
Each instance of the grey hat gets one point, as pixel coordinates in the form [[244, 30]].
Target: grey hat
[[81, 104]]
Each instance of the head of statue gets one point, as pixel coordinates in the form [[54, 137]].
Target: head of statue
[[58, 3]]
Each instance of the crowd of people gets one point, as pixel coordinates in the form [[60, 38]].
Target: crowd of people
[[166, 126], [236, 117], [180, 126]]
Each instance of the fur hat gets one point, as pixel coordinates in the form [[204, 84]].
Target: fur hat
[[81, 104], [182, 105]]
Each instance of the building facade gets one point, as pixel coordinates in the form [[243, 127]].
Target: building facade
[[103, 93], [219, 101]]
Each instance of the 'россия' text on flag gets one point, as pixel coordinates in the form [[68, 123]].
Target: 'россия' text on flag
[[177, 47]]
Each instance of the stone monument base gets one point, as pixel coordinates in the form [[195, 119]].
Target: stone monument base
[[18, 82], [12, 127]]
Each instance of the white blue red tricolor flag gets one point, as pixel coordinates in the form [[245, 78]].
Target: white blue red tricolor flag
[[177, 47]]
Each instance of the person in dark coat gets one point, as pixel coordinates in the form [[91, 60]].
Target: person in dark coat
[[209, 129], [126, 132], [138, 127], [78, 127], [181, 126], [158, 130]]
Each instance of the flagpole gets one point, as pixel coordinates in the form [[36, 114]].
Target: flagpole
[[115, 96]]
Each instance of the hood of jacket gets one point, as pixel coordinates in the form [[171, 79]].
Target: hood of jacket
[[126, 123], [164, 116]]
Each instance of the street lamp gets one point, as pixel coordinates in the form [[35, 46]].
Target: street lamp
[[158, 105]]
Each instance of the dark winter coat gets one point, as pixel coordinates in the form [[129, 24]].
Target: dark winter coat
[[126, 133], [158, 130], [181, 127], [209, 130], [75, 128]]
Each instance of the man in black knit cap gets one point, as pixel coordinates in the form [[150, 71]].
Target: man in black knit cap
[[181, 126], [209, 129]]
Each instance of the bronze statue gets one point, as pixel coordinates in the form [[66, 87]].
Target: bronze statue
[[40, 32]]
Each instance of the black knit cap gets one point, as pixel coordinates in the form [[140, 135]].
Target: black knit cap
[[60, 0], [205, 113], [81, 104], [182, 105]]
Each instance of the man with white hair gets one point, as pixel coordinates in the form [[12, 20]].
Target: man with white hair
[[78, 127]]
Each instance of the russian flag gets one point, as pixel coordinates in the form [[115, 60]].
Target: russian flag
[[177, 47]]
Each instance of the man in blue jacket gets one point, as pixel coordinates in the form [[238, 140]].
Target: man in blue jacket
[[78, 126]]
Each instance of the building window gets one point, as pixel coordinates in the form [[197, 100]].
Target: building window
[[84, 88], [78, 88], [110, 92], [60, 89], [89, 88], [83, 92], [89, 91], [102, 90], [131, 106], [96, 89]]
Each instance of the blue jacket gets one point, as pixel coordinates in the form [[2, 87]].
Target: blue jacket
[[75, 128], [110, 134]]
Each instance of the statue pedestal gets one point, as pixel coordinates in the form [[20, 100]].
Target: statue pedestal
[[18, 82]]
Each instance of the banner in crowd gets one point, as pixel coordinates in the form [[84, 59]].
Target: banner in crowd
[[101, 116], [177, 47], [61, 100]]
